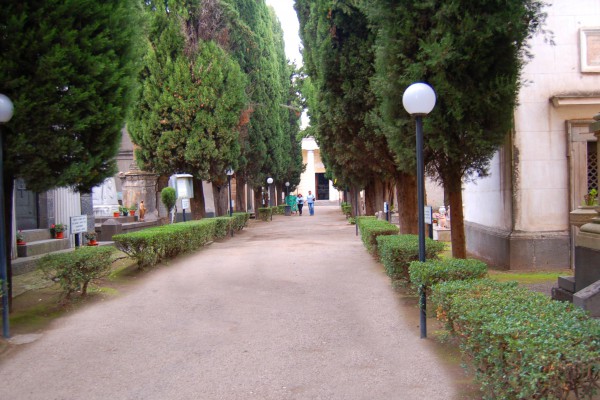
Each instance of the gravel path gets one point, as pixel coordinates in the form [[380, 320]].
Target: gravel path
[[290, 309]]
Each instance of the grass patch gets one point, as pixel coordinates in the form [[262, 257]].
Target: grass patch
[[528, 277]]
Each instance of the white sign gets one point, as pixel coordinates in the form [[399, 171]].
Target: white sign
[[78, 224], [428, 212], [185, 203]]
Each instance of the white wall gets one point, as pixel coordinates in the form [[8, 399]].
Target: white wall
[[540, 142]]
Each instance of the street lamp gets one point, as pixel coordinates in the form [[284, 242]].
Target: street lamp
[[418, 100], [288, 206], [287, 189], [269, 181], [6, 113], [229, 172]]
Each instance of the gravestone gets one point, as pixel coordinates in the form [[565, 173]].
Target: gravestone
[[104, 199]]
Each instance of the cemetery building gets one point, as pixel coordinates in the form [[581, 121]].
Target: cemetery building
[[518, 217]]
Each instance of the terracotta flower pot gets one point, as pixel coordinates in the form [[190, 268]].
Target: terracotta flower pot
[[60, 235], [21, 243], [93, 243], [116, 214], [132, 212]]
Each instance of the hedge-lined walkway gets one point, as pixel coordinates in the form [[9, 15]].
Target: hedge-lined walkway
[[290, 309]]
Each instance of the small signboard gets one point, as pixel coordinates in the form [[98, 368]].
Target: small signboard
[[78, 224], [185, 204], [428, 214]]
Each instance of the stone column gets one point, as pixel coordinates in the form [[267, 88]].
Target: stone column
[[138, 185]]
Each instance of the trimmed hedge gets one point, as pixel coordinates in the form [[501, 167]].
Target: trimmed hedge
[[151, 246], [75, 269], [370, 228], [523, 344], [398, 251], [347, 209], [431, 272], [278, 210], [265, 213]]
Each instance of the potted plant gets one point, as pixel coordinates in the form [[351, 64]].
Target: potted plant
[[20, 239], [117, 213], [132, 209], [58, 230], [91, 238], [124, 210], [591, 199]]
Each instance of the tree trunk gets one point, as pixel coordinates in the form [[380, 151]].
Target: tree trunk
[[197, 203], [220, 195], [258, 199], [406, 187], [240, 194], [457, 222], [354, 200]]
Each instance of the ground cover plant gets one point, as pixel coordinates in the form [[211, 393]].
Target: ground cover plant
[[522, 344], [74, 270]]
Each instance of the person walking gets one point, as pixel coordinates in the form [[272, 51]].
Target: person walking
[[310, 199], [300, 201]]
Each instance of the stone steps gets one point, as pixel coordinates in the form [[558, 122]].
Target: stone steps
[[40, 247]]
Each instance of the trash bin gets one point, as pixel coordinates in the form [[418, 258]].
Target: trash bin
[[288, 210]]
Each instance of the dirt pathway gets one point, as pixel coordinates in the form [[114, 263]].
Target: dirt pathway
[[290, 309]]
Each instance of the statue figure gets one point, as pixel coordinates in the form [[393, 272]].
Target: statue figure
[[142, 210]]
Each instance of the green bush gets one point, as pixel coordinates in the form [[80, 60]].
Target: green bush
[[347, 209], [278, 210], [150, 246], [523, 344], [168, 197], [398, 251], [223, 226], [240, 219], [431, 272], [75, 269], [370, 228], [265, 213]]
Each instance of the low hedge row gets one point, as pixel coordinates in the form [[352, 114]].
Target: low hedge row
[[279, 210], [265, 213], [370, 228], [151, 246], [523, 344], [347, 209], [74, 270], [431, 272], [398, 251]]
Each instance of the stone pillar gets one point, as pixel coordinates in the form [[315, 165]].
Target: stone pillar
[[138, 185], [310, 171]]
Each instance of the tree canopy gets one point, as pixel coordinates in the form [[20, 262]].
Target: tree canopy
[[69, 67]]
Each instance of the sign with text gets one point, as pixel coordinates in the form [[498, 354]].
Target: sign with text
[[428, 213], [185, 204], [78, 224]]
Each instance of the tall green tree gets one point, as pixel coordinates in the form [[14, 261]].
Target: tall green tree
[[193, 93], [257, 44], [472, 54], [69, 67], [339, 56]]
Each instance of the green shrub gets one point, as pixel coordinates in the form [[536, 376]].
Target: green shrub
[[347, 209], [223, 226], [431, 272], [150, 246], [398, 251], [523, 344], [370, 228], [265, 213], [168, 197], [278, 210], [240, 219], [75, 269]]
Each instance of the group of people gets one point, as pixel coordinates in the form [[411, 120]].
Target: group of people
[[297, 202]]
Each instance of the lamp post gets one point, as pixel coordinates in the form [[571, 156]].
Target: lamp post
[[269, 181], [287, 189], [229, 172], [288, 206], [418, 100], [6, 113]]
